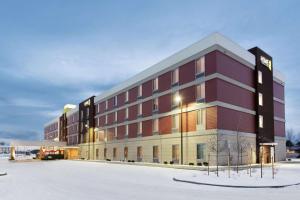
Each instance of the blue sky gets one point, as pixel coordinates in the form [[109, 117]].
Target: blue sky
[[48, 48]]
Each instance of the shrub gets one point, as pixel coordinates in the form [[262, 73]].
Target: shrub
[[171, 162], [205, 163], [165, 162], [191, 163]]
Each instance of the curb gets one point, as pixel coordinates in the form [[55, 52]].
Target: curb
[[233, 186]]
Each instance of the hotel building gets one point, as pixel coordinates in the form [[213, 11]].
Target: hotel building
[[209, 99]]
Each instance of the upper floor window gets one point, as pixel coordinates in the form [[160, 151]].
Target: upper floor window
[[106, 104], [140, 109], [126, 130], [155, 125], [155, 104], [201, 117], [259, 77], [116, 132], [200, 65], [126, 113], [116, 116], [140, 91], [115, 100], [126, 96], [87, 113], [140, 127], [260, 121], [175, 121], [155, 84], [106, 119], [260, 99], [200, 91], [175, 76]]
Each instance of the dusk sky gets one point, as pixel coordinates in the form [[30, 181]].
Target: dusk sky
[[49, 48]]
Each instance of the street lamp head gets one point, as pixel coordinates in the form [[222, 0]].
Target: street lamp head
[[86, 126], [178, 99]]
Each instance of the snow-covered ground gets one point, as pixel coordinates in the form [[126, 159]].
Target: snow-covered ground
[[74, 180]]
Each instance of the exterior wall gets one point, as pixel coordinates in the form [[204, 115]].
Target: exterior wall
[[280, 149], [72, 128], [51, 131]]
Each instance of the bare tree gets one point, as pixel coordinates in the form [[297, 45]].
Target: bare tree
[[290, 137]]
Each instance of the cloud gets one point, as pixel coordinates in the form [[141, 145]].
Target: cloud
[[24, 102]]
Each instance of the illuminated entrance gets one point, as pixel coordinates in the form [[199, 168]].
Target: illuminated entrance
[[267, 152]]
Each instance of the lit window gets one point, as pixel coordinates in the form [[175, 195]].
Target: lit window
[[126, 113], [260, 99], [200, 65], [106, 104], [116, 116], [155, 125], [98, 108], [140, 127], [259, 77], [175, 76], [155, 84], [106, 119], [200, 90], [155, 104], [261, 121], [116, 132], [201, 117], [140, 91], [140, 109], [126, 96], [126, 130], [175, 121], [174, 96]]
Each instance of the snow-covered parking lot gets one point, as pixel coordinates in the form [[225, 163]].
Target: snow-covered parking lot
[[72, 180]]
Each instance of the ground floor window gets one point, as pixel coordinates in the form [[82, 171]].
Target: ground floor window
[[114, 153], [97, 154], [105, 153], [139, 154], [201, 151], [125, 153], [175, 153], [155, 154]]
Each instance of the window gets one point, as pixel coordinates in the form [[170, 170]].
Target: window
[[155, 104], [155, 154], [140, 127], [200, 65], [140, 109], [114, 153], [261, 121], [201, 148], [105, 153], [175, 76], [200, 91], [115, 100], [201, 117], [174, 102], [116, 132], [106, 119], [116, 116], [139, 154], [106, 104], [140, 91], [155, 84], [97, 153], [87, 113], [259, 77], [126, 130], [125, 153], [175, 121], [175, 153], [155, 125], [126, 113], [260, 99], [126, 96], [98, 108]]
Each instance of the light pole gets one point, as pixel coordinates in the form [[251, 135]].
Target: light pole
[[178, 99]]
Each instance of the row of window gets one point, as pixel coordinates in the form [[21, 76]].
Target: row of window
[[199, 70], [200, 121], [200, 153], [51, 127], [200, 95]]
